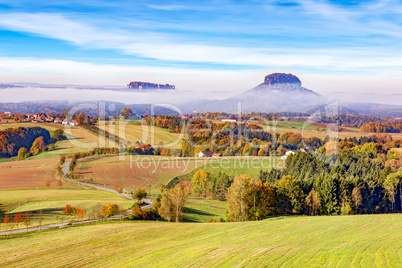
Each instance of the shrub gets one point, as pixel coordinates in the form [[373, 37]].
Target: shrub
[[69, 210], [110, 210]]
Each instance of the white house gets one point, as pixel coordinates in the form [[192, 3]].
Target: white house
[[288, 152], [229, 120], [205, 154]]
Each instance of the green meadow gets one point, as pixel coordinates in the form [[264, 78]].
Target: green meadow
[[330, 241]]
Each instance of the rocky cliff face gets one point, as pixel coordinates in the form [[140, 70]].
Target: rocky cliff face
[[283, 83], [279, 78], [138, 85]]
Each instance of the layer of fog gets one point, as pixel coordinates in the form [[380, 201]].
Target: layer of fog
[[196, 101], [73, 95]]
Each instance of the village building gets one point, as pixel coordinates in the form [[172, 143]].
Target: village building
[[205, 153], [288, 152]]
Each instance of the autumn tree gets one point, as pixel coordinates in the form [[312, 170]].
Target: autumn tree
[[6, 219], [238, 198], [200, 182], [38, 145], [179, 198], [80, 213], [110, 210], [390, 185], [186, 148], [80, 119], [166, 205], [262, 201], [62, 160], [69, 210], [313, 202], [58, 134], [18, 218], [22, 152], [140, 194], [126, 113], [357, 197]]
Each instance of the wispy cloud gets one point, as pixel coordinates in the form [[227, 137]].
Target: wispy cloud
[[166, 48]]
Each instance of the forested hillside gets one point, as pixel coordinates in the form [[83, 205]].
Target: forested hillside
[[12, 139]]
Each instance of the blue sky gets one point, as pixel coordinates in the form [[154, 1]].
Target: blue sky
[[211, 45]]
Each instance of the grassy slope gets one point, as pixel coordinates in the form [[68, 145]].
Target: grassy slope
[[139, 172], [148, 135], [236, 166], [202, 213], [142, 171], [52, 203], [333, 241]]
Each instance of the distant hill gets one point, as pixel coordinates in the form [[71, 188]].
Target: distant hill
[[138, 85], [278, 93], [283, 83]]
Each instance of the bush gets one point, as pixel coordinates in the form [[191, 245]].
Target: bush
[[69, 210], [110, 210]]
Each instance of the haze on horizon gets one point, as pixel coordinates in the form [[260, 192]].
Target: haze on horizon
[[349, 50]]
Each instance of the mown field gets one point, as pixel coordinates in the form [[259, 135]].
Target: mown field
[[52, 202], [133, 132], [149, 172], [330, 241], [134, 172], [29, 174], [202, 213]]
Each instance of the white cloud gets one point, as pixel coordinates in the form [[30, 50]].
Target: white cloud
[[167, 48]]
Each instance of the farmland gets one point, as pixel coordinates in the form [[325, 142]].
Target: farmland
[[52, 202], [344, 241], [28, 174], [133, 172], [133, 132], [150, 172]]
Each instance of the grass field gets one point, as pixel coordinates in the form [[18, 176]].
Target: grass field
[[52, 202], [206, 201], [201, 213], [235, 166], [133, 132], [330, 241]]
